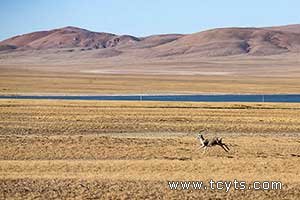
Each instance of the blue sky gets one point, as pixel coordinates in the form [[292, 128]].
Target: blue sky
[[143, 17]]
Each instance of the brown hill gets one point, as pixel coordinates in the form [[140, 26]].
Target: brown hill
[[68, 37], [216, 42], [232, 41], [294, 28], [157, 40]]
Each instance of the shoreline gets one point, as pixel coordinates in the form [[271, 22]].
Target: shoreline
[[272, 98]]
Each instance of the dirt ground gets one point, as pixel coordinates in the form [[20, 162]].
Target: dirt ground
[[130, 150]]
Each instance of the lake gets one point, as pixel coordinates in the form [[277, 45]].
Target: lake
[[289, 98]]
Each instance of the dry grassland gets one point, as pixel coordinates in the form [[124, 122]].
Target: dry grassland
[[18, 81], [129, 150], [42, 117], [57, 72]]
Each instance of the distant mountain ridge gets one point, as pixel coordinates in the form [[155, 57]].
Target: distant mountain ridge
[[68, 37], [215, 42]]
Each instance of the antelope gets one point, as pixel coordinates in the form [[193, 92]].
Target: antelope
[[212, 142]]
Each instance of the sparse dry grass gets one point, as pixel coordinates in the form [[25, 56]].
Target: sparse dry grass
[[68, 83], [126, 150], [44, 117], [58, 72]]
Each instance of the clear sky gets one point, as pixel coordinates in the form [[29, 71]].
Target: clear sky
[[143, 17]]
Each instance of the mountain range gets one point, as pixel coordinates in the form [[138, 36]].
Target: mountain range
[[215, 42]]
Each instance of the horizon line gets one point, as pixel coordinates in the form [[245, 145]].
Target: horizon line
[[120, 34]]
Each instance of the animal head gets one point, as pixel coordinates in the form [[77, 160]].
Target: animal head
[[219, 140]]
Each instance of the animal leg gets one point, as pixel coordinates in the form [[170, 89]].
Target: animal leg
[[205, 150], [224, 148]]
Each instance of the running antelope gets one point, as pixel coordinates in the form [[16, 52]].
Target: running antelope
[[212, 142]]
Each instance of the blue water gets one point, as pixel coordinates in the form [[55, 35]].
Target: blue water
[[292, 98]]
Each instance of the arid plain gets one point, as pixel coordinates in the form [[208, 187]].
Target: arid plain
[[52, 149], [91, 149], [36, 74]]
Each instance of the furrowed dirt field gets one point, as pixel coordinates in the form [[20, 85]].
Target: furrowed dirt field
[[129, 150]]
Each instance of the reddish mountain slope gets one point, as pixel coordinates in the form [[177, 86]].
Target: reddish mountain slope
[[294, 28], [232, 41], [68, 37], [216, 42]]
